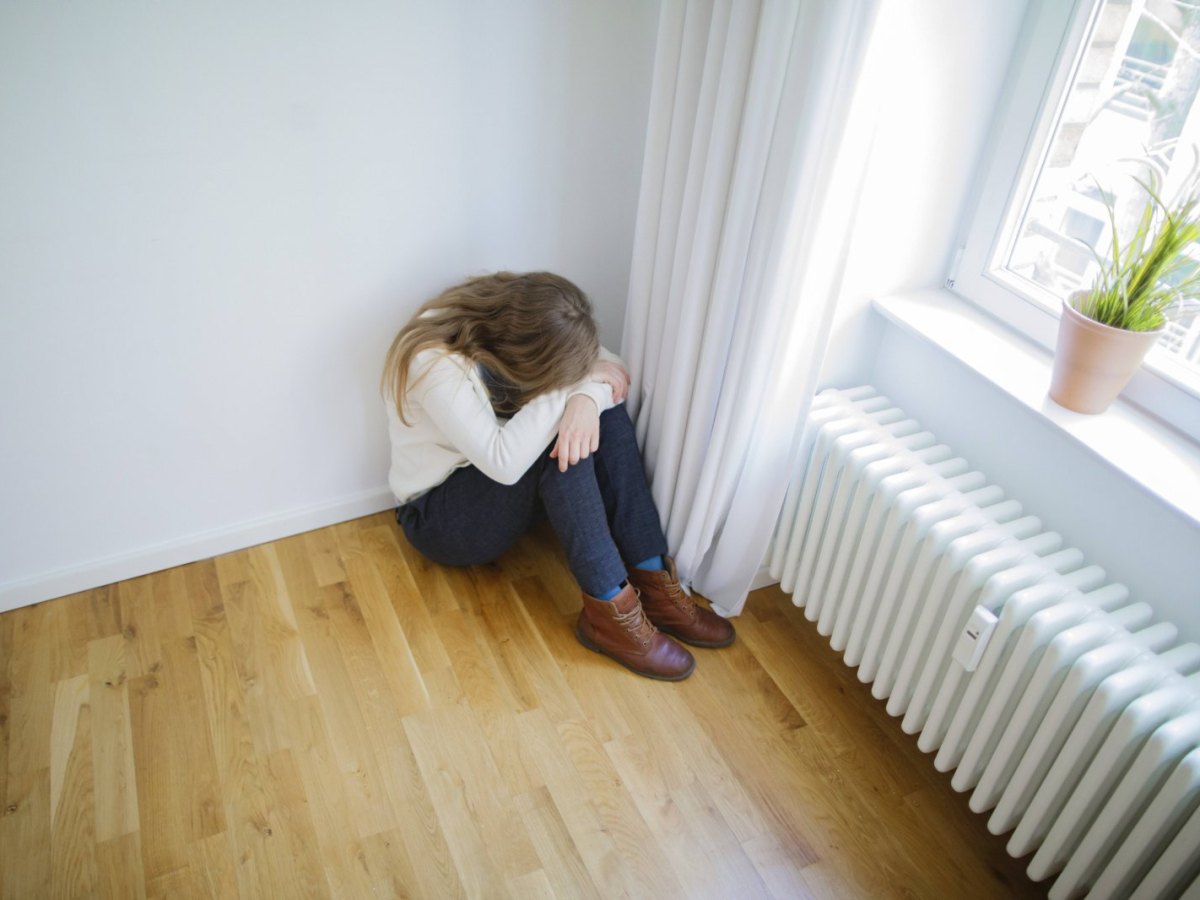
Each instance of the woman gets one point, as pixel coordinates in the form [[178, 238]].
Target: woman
[[501, 404]]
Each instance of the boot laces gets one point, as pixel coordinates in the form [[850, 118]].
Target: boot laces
[[681, 598], [636, 623]]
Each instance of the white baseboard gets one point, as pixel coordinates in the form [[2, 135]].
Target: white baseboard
[[153, 558]]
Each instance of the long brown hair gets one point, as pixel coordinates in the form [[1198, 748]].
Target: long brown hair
[[533, 332]]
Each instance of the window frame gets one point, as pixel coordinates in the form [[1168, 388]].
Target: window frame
[[1039, 75]]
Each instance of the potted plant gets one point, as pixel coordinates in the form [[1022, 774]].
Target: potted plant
[[1147, 280]]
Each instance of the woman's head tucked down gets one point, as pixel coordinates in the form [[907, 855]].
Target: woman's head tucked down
[[534, 331]]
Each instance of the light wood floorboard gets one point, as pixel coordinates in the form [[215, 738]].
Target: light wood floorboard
[[331, 715]]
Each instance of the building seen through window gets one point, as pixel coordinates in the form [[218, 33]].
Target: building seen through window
[[1133, 98]]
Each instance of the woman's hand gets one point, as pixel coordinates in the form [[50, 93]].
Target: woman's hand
[[578, 431], [615, 376]]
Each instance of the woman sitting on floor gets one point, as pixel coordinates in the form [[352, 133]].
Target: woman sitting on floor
[[502, 404]]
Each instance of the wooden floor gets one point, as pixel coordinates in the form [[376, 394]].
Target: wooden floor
[[330, 715]]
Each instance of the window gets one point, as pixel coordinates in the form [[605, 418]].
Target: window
[[1097, 83]]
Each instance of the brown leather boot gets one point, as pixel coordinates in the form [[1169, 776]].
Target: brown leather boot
[[669, 607], [618, 629]]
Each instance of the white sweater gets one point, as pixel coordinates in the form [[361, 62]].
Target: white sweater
[[453, 425]]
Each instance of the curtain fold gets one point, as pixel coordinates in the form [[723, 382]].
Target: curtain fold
[[757, 141]]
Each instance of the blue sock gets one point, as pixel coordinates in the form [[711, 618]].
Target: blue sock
[[654, 564], [608, 595]]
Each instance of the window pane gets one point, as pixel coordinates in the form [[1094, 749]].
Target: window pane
[[1133, 96]]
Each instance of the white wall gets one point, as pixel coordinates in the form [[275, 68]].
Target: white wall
[[215, 217], [936, 72]]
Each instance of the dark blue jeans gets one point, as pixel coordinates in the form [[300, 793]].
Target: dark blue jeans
[[600, 508]]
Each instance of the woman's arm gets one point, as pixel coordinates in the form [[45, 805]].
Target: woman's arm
[[610, 369], [579, 430], [503, 451]]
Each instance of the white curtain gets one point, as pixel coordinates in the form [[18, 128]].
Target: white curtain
[[757, 141]]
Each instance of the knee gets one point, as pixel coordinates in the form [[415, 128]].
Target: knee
[[615, 421]]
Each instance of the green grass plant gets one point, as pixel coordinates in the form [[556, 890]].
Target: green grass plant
[[1149, 278]]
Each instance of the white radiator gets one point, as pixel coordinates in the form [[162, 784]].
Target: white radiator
[[1080, 727]]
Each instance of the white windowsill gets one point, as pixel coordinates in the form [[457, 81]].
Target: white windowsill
[[1150, 453]]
